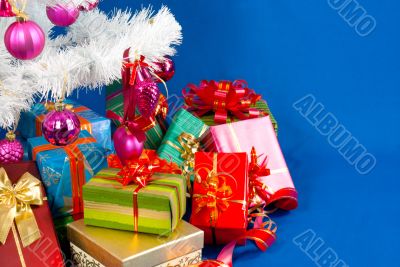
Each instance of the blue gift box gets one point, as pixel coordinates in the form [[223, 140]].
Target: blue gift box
[[60, 171], [30, 122]]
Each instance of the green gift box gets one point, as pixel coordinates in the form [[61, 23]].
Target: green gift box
[[260, 105], [115, 103], [156, 208], [185, 125]]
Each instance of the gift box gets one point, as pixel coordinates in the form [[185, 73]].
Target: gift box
[[98, 126], [30, 239], [182, 140], [258, 133], [64, 170], [94, 246], [115, 103], [224, 102], [220, 193], [155, 204]]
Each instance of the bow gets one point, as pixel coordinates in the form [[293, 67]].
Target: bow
[[217, 199], [50, 106], [225, 98], [258, 191], [15, 204], [134, 66], [141, 170]]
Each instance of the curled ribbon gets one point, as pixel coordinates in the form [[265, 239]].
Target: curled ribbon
[[225, 99], [219, 193], [15, 205]]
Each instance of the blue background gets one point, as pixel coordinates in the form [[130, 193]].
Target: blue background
[[286, 50]]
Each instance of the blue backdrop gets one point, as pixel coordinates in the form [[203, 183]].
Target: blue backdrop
[[347, 59]]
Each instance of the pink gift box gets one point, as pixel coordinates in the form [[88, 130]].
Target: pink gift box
[[241, 136]]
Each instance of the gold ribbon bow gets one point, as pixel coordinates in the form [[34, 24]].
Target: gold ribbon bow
[[50, 106], [189, 146], [219, 193], [15, 204]]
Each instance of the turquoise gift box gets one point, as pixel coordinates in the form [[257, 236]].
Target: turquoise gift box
[[100, 127], [65, 170]]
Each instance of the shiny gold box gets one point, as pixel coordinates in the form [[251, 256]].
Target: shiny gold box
[[108, 247]]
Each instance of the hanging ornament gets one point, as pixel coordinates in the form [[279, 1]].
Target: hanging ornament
[[88, 5], [6, 9], [147, 92], [24, 39], [167, 69], [11, 150], [128, 145], [61, 126], [62, 15]]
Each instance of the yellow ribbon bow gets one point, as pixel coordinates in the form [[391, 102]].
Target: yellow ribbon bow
[[15, 204]]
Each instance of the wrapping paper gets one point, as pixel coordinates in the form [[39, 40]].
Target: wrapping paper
[[116, 248], [98, 126], [115, 103], [59, 171], [160, 204], [220, 193], [260, 105], [171, 148], [43, 252], [258, 133]]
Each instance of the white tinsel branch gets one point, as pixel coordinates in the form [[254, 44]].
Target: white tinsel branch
[[88, 56]]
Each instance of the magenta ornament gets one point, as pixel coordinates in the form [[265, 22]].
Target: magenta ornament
[[11, 150], [147, 96], [167, 69], [61, 126], [88, 5], [128, 145], [6, 9], [62, 15], [24, 39]]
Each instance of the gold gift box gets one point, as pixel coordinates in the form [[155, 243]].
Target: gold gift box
[[123, 248]]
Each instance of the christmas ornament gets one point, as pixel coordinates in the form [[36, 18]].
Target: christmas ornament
[[128, 145], [62, 15], [24, 39], [167, 69], [61, 126], [11, 150], [6, 9], [147, 93], [88, 5]]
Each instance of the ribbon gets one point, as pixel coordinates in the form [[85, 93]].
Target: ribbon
[[225, 99], [15, 205], [77, 168], [134, 66], [140, 172], [189, 145], [219, 193], [50, 106]]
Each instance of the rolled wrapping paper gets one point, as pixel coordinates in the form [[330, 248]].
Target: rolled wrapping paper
[[259, 133]]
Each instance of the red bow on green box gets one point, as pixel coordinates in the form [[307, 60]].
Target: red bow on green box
[[225, 99]]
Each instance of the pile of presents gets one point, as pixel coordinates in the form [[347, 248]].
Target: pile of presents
[[210, 175]]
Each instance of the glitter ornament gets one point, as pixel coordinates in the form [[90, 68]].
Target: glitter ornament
[[11, 150]]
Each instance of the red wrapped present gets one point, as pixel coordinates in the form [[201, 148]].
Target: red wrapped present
[[27, 236], [220, 194]]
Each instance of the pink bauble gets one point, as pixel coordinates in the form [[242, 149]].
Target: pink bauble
[[11, 150], [167, 69], [61, 127], [24, 40], [62, 15], [128, 145]]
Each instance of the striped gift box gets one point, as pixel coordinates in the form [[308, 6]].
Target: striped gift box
[[159, 207]]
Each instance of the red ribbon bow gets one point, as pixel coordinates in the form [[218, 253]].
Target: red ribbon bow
[[258, 191], [141, 170], [225, 98], [133, 66]]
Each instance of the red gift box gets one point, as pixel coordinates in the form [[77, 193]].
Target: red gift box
[[43, 252], [220, 193]]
